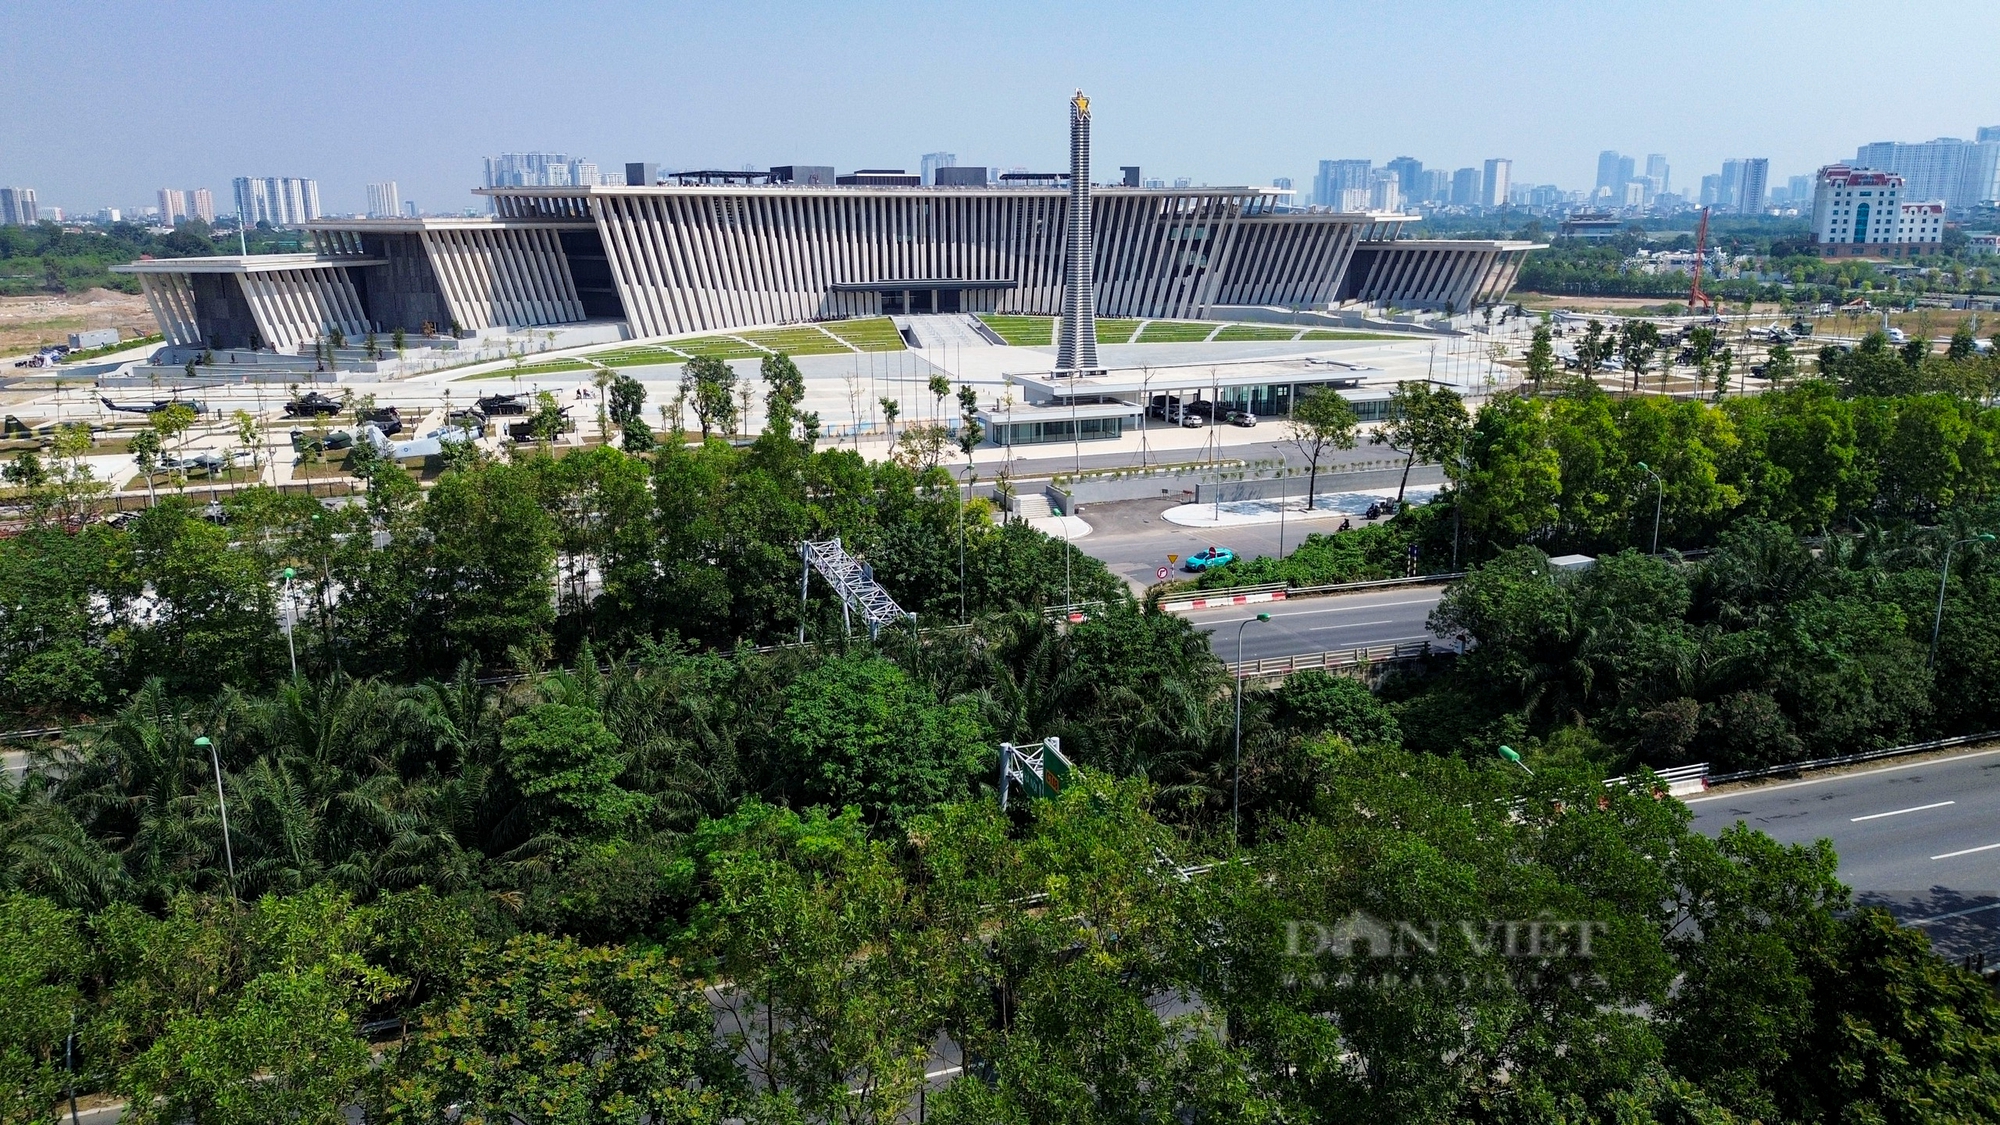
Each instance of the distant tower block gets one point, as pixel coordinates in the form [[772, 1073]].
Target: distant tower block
[[1076, 337]]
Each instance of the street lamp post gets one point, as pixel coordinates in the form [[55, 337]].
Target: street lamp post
[[1514, 756], [228, 853], [1659, 498], [1944, 573], [291, 622], [1236, 759]]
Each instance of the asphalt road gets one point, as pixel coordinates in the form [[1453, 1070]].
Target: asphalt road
[[1376, 617], [1921, 839]]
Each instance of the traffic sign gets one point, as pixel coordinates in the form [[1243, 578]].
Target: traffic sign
[[1162, 573], [1172, 559]]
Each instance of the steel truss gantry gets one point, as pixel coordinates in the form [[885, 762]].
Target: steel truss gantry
[[854, 581]]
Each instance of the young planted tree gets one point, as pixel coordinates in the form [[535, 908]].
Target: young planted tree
[[1425, 423], [1780, 367], [891, 410], [1541, 357], [940, 388], [1638, 341], [1321, 420], [626, 403], [710, 383]]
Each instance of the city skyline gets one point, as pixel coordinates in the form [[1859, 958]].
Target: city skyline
[[1004, 73]]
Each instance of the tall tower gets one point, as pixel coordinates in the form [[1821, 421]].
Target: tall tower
[[1076, 336]]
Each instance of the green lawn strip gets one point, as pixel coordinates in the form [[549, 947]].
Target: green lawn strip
[[639, 357], [1175, 332], [1022, 331], [795, 341], [1116, 331], [1330, 334], [1255, 332], [549, 367], [870, 334], [720, 347]]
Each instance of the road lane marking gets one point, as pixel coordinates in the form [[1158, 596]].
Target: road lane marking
[[1350, 625], [1899, 812], [1344, 609], [1967, 851], [1953, 914], [1762, 789]]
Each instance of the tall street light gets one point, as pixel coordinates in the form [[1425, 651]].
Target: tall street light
[[291, 622], [1659, 498], [1944, 572], [1236, 760], [228, 853]]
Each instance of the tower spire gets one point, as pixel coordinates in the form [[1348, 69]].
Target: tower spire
[[1076, 337]]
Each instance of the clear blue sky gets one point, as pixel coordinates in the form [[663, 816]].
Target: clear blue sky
[[107, 101]]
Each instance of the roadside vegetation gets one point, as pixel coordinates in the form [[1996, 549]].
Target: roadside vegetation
[[558, 814]]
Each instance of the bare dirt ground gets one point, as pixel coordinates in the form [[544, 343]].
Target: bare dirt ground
[[27, 323]]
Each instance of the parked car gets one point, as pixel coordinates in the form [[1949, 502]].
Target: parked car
[[1192, 421], [1208, 559], [1202, 407], [1242, 418]]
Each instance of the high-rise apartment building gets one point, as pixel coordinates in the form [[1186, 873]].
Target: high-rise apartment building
[[1607, 172], [1465, 187], [1409, 178], [384, 201], [935, 160], [1729, 197], [201, 204], [1338, 177], [1657, 173], [1493, 189], [1437, 185], [1961, 173], [1282, 183], [173, 206], [17, 207], [1711, 190], [1384, 191], [1753, 181], [281, 201], [544, 169]]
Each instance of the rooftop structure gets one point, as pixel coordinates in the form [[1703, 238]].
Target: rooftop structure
[[715, 251]]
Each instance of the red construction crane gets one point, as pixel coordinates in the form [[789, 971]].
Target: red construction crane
[[1695, 295]]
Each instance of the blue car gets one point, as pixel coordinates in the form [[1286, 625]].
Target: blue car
[[1209, 559]]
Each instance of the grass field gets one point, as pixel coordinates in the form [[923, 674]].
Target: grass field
[[795, 341], [1116, 331], [1022, 331], [872, 334], [547, 367], [641, 356], [721, 347], [1174, 332], [1256, 332]]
